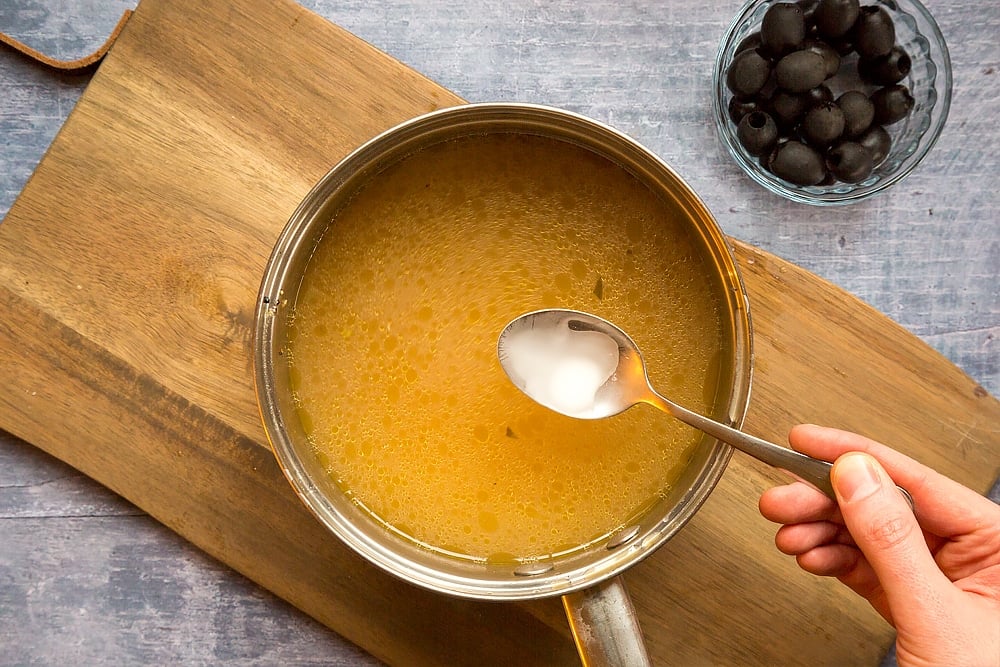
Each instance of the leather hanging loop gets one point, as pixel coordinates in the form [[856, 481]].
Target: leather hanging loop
[[68, 66]]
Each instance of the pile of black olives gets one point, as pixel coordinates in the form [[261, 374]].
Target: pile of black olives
[[783, 77]]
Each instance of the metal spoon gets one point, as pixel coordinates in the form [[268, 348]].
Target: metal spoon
[[532, 347]]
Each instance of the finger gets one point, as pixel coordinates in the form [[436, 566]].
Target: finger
[[862, 580], [847, 564], [888, 535], [798, 538], [830, 560], [944, 507], [797, 503]]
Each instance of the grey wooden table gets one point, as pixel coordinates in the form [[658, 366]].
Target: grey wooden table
[[86, 578]]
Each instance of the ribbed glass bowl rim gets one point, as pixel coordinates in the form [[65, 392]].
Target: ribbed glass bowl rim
[[938, 113]]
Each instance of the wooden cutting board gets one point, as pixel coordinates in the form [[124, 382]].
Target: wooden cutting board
[[129, 268]]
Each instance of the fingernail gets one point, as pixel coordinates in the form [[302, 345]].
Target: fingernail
[[856, 476]]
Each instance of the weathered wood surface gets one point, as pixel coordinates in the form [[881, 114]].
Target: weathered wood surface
[[895, 252]]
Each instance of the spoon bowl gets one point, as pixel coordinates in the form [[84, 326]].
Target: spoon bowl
[[583, 366], [574, 363]]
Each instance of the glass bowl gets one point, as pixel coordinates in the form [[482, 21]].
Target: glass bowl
[[929, 81]]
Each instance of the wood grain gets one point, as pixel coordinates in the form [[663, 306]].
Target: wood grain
[[129, 268]]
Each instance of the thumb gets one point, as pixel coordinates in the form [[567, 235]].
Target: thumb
[[885, 529]]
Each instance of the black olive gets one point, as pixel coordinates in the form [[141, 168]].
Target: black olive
[[765, 159], [878, 142], [823, 124], [888, 69], [829, 179], [831, 59], [849, 162], [800, 70], [874, 32], [757, 132], [859, 112], [751, 41], [797, 163], [808, 8], [835, 17], [892, 103], [783, 28], [739, 107], [748, 73], [816, 96], [842, 45], [787, 108]]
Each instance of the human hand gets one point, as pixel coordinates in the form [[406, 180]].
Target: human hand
[[933, 573]]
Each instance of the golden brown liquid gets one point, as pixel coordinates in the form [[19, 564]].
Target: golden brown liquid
[[393, 345]]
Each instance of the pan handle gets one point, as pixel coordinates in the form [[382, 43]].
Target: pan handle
[[605, 626]]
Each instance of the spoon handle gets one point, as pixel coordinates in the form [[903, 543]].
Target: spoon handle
[[811, 470], [814, 471]]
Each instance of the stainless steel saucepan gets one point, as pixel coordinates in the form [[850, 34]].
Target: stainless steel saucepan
[[599, 611]]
